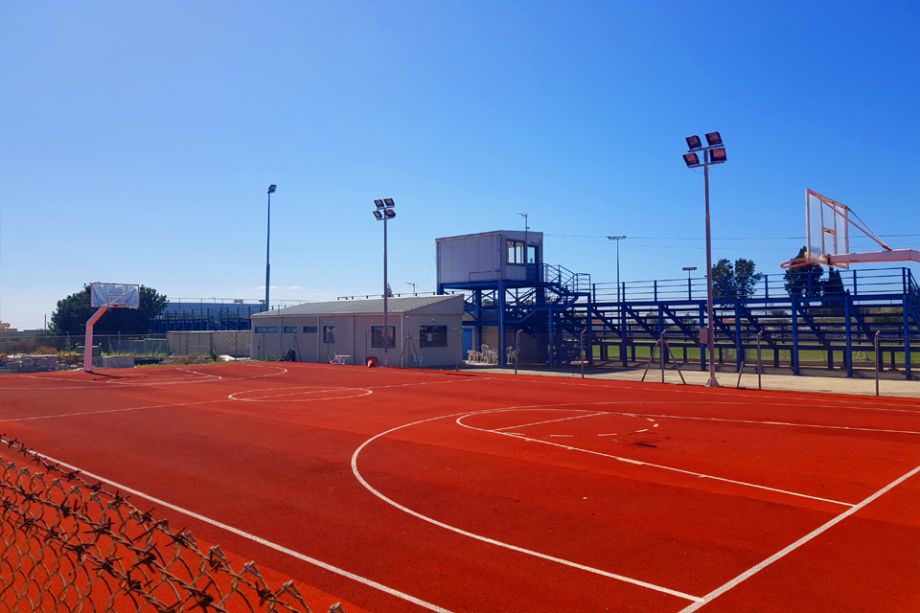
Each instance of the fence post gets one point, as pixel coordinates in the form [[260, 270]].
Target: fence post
[[794, 356], [662, 347], [905, 312], [878, 358], [581, 342], [848, 335], [759, 362]]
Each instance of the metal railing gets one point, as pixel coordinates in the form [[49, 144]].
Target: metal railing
[[71, 544], [855, 282], [575, 282]]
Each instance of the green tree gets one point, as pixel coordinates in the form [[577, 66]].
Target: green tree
[[832, 288], [723, 274], [736, 280], [803, 281], [72, 312]]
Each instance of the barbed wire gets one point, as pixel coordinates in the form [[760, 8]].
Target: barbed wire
[[70, 544]]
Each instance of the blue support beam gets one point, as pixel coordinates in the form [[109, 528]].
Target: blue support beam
[[501, 323], [848, 336], [624, 336], [702, 320], [795, 336], [739, 349], [906, 327]]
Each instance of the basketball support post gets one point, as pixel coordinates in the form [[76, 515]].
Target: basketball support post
[[88, 338]]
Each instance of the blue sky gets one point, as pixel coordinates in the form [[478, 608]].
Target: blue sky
[[139, 138]]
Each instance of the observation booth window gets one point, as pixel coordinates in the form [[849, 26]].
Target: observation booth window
[[516, 252]]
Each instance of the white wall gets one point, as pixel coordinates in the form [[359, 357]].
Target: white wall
[[469, 258], [353, 337]]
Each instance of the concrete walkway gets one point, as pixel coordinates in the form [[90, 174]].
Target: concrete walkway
[[771, 381]]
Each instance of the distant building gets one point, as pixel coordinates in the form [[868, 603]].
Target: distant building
[[423, 331]]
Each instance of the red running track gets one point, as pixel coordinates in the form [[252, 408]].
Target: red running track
[[410, 490]]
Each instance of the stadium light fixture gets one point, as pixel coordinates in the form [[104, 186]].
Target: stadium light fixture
[[385, 211], [713, 153], [268, 239], [617, 239]]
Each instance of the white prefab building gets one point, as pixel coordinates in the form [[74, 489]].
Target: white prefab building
[[424, 331]]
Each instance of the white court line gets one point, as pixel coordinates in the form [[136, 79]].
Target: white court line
[[746, 401], [380, 387], [772, 423], [125, 410], [485, 539], [166, 381], [252, 537], [789, 549], [552, 421], [716, 419], [357, 392], [460, 422]]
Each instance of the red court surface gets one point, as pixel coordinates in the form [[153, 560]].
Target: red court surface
[[402, 490]]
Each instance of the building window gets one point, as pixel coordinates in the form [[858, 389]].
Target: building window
[[377, 337], [432, 336], [266, 329], [515, 252], [309, 329], [329, 335], [290, 329]]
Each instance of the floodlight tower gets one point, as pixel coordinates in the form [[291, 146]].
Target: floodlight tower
[[713, 153], [268, 238], [617, 239], [385, 210], [688, 270]]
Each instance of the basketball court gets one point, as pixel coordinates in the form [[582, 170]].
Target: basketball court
[[410, 490]]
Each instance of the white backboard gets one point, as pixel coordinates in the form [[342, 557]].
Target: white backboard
[[114, 295]]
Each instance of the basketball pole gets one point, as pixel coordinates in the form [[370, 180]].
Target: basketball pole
[[88, 338]]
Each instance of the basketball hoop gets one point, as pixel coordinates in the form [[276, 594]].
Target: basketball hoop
[[105, 296], [827, 237]]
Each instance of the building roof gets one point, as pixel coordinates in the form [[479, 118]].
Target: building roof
[[359, 307], [531, 233]]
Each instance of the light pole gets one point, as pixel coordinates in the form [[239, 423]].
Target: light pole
[[713, 153], [386, 210], [617, 239], [413, 284], [689, 269], [268, 238]]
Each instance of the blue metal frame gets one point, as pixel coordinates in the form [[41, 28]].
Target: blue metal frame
[[563, 304]]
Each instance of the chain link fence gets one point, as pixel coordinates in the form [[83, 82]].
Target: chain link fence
[[69, 544], [887, 367], [123, 344]]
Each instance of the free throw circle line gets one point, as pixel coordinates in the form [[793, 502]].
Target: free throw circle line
[[485, 539]]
